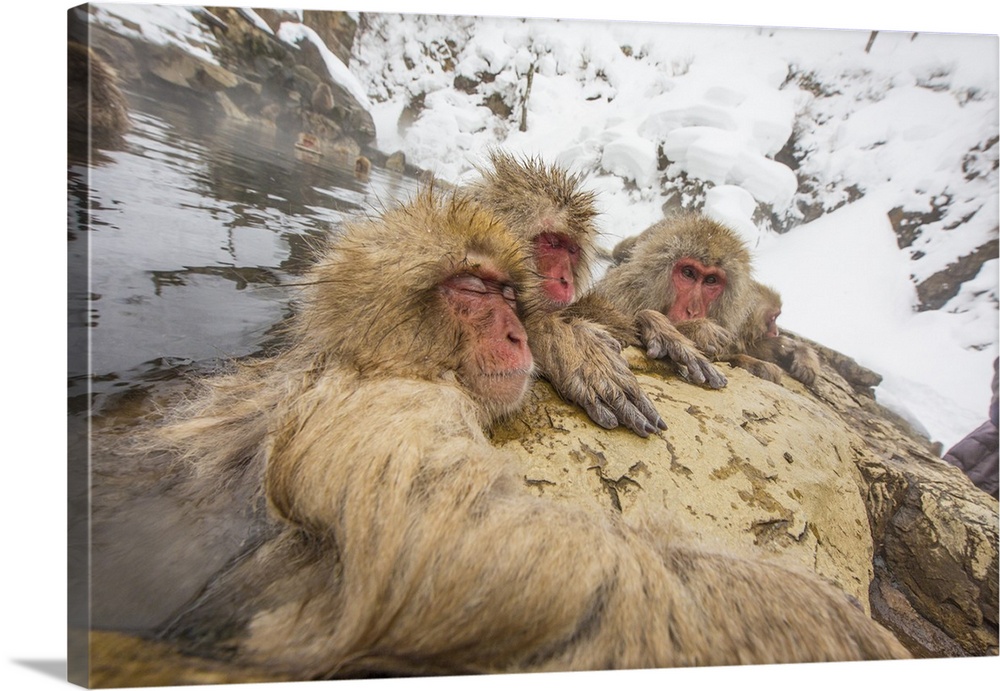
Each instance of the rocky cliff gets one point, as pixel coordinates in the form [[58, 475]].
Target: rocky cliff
[[296, 81]]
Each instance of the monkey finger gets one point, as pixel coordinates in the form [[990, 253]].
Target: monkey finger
[[695, 372], [598, 412], [630, 417], [713, 377], [645, 407], [700, 370], [637, 403], [619, 401], [656, 349], [708, 373], [635, 399], [691, 363], [637, 421]]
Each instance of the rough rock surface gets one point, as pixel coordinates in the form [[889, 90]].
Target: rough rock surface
[[755, 468], [825, 478]]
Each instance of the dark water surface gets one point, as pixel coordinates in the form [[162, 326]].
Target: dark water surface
[[194, 236]]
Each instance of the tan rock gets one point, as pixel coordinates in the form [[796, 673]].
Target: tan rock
[[755, 468], [822, 477]]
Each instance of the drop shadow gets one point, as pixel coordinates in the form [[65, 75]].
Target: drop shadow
[[50, 668]]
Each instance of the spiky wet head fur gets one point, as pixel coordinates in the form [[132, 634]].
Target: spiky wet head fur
[[374, 304], [643, 280], [526, 193]]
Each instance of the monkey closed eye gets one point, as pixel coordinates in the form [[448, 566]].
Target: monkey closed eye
[[477, 285], [558, 242]]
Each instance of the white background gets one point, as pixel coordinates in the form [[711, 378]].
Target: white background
[[34, 350]]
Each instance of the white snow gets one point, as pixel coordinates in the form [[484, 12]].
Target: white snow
[[161, 24], [898, 123], [294, 33], [257, 20], [635, 105]]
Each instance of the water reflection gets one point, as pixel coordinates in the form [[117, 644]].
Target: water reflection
[[195, 233]]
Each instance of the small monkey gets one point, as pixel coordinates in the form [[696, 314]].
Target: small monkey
[[96, 107], [322, 98], [362, 167], [760, 343]]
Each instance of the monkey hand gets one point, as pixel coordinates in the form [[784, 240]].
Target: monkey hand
[[758, 368], [804, 363], [583, 363], [708, 336], [663, 341]]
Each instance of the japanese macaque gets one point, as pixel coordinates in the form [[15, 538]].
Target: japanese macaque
[[96, 108], [760, 343], [554, 218], [683, 280], [362, 167], [400, 541], [322, 98], [742, 329]]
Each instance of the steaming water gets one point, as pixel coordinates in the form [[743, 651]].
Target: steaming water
[[193, 234]]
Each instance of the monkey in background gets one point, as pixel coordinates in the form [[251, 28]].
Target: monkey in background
[[322, 98], [760, 343], [577, 344], [97, 109], [362, 167], [742, 329], [681, 281], [399, 541]]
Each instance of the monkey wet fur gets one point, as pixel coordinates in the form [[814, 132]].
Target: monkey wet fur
[[403, 542], [547, 209], [698, 274]]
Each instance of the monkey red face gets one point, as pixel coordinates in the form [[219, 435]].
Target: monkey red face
[[771, 324], [556, 256], [497, 364], [696, 286]]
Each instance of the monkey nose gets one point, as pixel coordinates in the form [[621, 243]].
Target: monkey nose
[[559, 290]]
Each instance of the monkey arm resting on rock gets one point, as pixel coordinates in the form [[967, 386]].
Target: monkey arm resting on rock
[[762, 339], [684, 280], [698, 274], [583, 362], [762, 349]]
